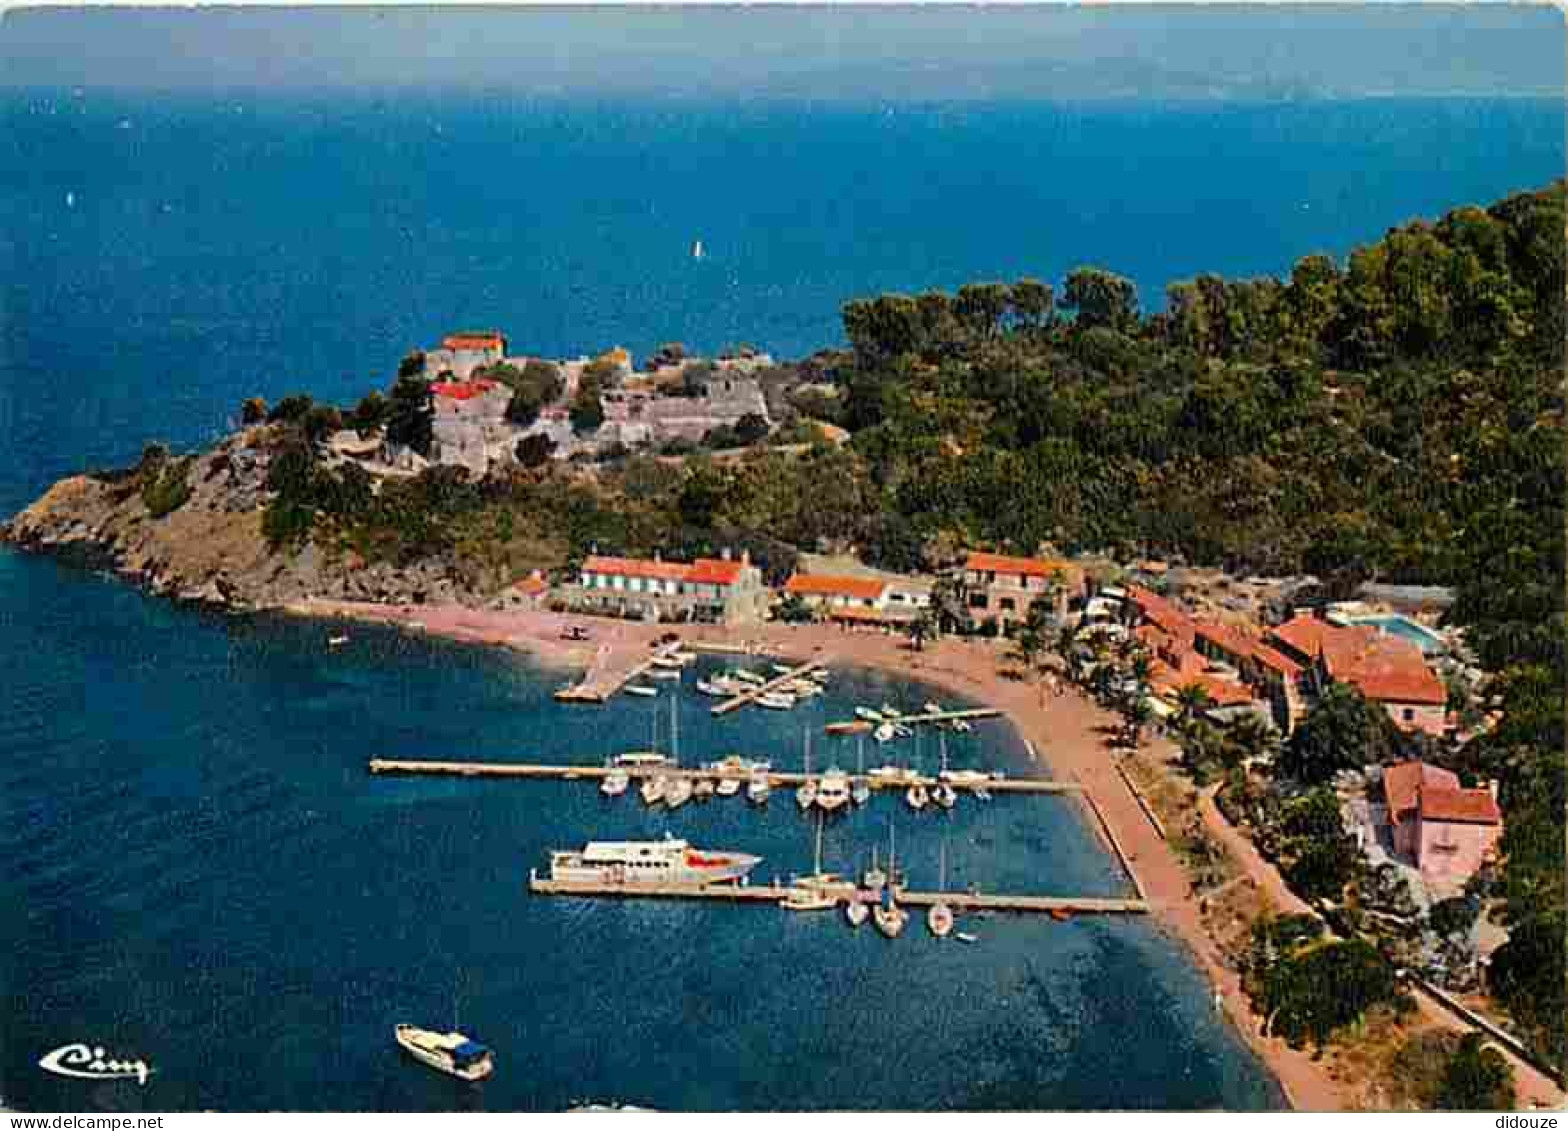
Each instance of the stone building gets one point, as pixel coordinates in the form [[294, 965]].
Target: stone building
[[460, 354], [708, 590]]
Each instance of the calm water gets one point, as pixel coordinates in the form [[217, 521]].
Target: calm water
[[199, 869]]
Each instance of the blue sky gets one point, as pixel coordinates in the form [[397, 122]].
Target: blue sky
[[1171, 51]]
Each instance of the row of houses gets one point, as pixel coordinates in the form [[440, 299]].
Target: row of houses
[[1284, 668], [731, 591]]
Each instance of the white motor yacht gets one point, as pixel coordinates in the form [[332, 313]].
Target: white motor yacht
[[452, 1053]]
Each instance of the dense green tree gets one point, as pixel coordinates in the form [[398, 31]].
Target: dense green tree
[[1100, 298], [1342, 732], [587, 411], [410, 415], [370, 414], [1476, 1078], [253, 411], [535, 450]]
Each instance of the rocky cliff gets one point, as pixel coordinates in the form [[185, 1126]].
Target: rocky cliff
[[208, 546]]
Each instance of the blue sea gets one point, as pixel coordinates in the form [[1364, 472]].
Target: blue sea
[[196, 865]]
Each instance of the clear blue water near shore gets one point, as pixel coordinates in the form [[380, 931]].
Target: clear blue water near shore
[[201, 870]]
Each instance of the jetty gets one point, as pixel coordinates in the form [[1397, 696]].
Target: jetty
[[968, 715], [774, 892], [781, 778], [598, 685], [752, 693]]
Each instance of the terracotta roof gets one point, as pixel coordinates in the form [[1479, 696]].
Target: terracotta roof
[[1226, 637], [1222, 692], [461, 390], [1276, 660], [532, 585], [636, 567], [1026, 567], [1468, 806], [1403, 783], [1162, 612], [1303, 633], [492, 341], [714, 571], [823, 585]]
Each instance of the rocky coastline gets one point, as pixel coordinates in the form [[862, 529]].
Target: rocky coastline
[[211, 548]]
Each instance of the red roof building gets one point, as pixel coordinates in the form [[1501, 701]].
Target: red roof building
[[1387, 669], [490, 340], [862, 589], [1446, 830], [461, 390]]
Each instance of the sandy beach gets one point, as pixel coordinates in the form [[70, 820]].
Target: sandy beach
[[1067, 730]]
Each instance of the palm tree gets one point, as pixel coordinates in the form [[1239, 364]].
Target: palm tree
[[1139, 715], [921, 629], [1252, 740], [1028, 644], [1191, 702]]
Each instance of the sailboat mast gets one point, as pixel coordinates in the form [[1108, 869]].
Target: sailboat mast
[[819, 844]]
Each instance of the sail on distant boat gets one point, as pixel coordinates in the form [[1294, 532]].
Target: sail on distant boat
[[696, 250]]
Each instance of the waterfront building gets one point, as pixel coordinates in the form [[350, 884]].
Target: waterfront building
[[709, 590], [459, 355], [1003, 588]]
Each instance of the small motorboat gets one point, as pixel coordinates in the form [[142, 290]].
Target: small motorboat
[[833, 791], [961, 726], [639, 689], [776, 701], [856, 911], [452, 1053], [916, 797], [677, 792], [759, 788], [662, 673], [939, 920], [885, 732], [653, 789], [747, 677], [727, 787], [891, 713], [982, 793], [890, 919], [1061, 914], [860, 792], [934, 708], [966, 937], [806, 795], [667, 663], [867, 714], [702, 789], [615, 783], [336, 641], [717, 688], [781, 669], [944, 795], [808, 899], [859, 726]]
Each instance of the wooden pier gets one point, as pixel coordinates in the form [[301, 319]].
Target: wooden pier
[[540, 771], [925, 717], [761, 689], [959, 901], [598, 687]]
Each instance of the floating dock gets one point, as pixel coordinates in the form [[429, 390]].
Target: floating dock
[[598, 687], [922, 717], [541, 771], [772, 893], [761, 689]]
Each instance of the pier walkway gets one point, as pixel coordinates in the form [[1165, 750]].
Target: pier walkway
[[761, 689], [773, 893], [926, 717], [540, 771], [597, 686]]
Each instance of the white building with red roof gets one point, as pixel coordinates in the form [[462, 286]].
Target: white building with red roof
[[719, 590], [849, 599], [1444, 829]]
